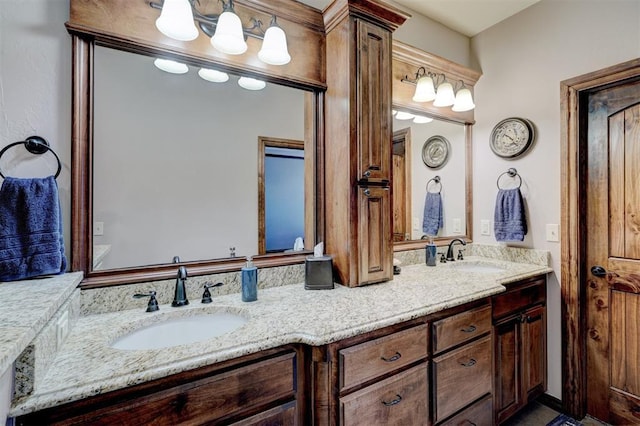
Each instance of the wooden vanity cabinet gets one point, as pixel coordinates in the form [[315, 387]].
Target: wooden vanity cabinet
[[357, 161], [519, 317], [261, 389]]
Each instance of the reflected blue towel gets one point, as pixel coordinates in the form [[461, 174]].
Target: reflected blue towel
[[510, 222], [31, 239], [432, 216]]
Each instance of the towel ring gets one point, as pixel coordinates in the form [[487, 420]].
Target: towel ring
[[512, 173], [35, 145], [437, 181]]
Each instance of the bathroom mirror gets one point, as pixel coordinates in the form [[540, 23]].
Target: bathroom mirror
[[176, 161], [411, 143]]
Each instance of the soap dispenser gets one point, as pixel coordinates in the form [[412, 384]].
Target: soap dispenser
[[249, 282], [431, 253]]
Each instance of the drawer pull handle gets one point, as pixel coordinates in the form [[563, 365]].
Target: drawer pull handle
[[469, 329], [470, 363], [393, 402], [468, 422], [393, 358]]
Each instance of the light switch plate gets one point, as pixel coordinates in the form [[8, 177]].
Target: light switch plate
[[552, 232], [485, 227], [98, 228], [457, 226]]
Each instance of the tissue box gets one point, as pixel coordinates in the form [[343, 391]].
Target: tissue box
[[318, 273]]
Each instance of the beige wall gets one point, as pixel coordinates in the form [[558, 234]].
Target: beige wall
[[523, 59]]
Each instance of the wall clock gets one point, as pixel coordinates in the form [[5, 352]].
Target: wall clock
[[512, 137], [435, 152]]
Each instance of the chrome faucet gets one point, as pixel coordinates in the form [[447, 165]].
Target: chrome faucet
[[450, 249], [180, 298]]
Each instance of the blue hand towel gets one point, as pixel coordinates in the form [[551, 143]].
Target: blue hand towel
[[432, 216], [31, 239], [510, 222]]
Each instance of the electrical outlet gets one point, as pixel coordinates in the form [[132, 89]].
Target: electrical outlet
[[485, 227], [98, 228], [457, 226], [552, 232], [62, 328]]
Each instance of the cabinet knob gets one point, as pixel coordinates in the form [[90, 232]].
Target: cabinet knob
[[367, 174], [395, 401], [367, 192]]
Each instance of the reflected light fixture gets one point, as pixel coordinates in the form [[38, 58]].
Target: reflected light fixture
[[170, 66], [251, 83], [436, 88], [227, 34], [403, 115], [213, 76], [421, 119]]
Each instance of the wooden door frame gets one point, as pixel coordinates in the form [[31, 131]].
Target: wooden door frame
[[404, 136], [573, 237]]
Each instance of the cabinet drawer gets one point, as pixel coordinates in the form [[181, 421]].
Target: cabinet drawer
[[284, 415], [375, 358], [478, 414], [461, 376], [519, 297], [399, 400], [456, 329]]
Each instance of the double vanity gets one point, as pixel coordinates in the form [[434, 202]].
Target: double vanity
[[431, 337]]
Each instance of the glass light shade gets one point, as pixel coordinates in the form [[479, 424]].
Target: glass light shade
[[274, 47], [170, 66], [421, 119], [229, 37], [402, 115], [393, 112], [444, 95], [464, 101], [251, 83], [425, 91], [176, 20], [213, 76]]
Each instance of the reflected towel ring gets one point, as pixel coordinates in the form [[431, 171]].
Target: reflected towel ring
[[511, 173], [35, 145], [437, 181]]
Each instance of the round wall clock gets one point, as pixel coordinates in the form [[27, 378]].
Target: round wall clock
[[512, 137], [435, 152]]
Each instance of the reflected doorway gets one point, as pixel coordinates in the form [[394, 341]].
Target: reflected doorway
[[281, 208], [401, 173]]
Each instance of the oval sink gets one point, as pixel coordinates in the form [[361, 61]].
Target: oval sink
[[180, 331], [478, 267]]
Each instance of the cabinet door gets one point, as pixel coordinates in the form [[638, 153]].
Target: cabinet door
[[508, 397], [374, 234], [373, 59], [534, 354]]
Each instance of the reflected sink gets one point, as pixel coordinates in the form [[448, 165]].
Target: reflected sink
[[477, 267], [180, 331]]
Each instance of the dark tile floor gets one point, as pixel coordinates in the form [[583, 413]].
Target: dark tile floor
[[537, 414]]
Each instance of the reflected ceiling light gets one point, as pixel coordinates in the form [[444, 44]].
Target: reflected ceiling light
[[421, 119], [393, 112], [226, 31], [464, 100], [176, 20], [403, 115], [213, 76], [170, 66], [251, 83], [274, 46], [444, 95], [436, 88]]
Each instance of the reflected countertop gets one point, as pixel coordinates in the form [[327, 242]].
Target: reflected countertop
[[86, 365]]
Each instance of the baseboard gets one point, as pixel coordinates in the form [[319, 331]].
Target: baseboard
[[551, 402]]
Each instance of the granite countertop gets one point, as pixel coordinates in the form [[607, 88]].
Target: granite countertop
[[25, 308], [86, 365]]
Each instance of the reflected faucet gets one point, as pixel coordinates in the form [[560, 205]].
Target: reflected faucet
[[450, 249], [180, 298]]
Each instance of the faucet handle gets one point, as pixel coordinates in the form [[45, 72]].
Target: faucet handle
[[206, 296], [443, 257], [460, 256], [152, 306]]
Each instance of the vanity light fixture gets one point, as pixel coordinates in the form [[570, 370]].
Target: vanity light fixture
[[251, 83], [170, 66], [403, 115], [227, 34], [213, 76], [436, 88], [421, 119]]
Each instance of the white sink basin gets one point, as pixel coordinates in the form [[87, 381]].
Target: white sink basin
[[180, 331], [485, 268]]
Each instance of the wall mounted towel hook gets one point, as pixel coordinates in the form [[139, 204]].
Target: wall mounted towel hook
[[437, 181], [512, 173], [36, 145]]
